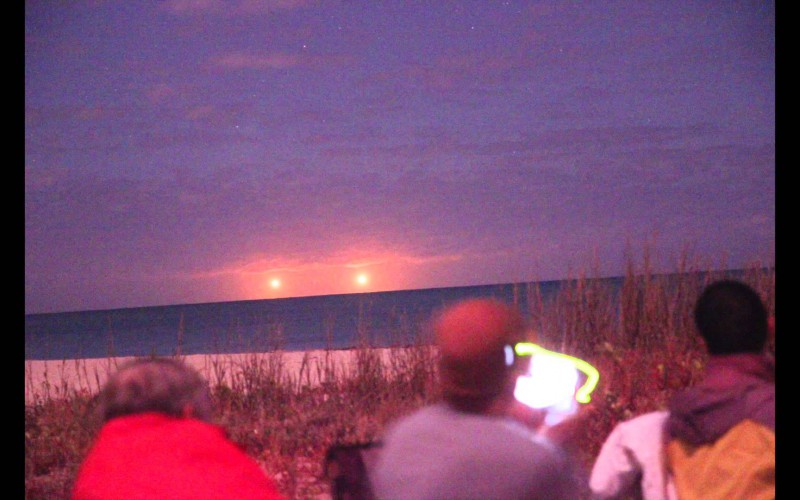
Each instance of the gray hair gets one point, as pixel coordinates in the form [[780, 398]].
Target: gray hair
[[162, 385]]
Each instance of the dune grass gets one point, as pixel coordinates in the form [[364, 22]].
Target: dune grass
[[640, 337]]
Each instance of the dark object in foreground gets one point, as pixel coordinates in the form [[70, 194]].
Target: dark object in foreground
[[347, 470]]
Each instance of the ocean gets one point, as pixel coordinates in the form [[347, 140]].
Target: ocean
[[378, 319]]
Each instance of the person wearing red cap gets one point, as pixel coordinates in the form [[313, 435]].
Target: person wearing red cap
[[470, 445], [157, 441]]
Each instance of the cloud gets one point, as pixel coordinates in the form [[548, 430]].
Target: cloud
[[200, 112], [238, 60], [41, 178], [279, 60], [453, 72], [353, 258], [45, 115], [159, 92], [230, 8], [191, 7]]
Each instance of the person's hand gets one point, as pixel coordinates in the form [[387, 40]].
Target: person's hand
[[532, 418], [569, 431]]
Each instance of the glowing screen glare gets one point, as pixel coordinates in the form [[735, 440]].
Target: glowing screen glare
[[551, 382]]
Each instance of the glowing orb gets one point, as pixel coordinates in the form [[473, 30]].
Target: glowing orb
[[362, 279], [275, 283]]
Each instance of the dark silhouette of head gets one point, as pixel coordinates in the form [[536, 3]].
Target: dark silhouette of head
[[162, 385], [731, 318], [472, 336]]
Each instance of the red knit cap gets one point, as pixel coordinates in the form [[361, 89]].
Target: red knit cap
[[471, 336]]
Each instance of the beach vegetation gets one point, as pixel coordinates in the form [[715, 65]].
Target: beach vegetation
[[639, 336]]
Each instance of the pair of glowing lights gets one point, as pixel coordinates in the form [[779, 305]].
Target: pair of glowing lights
[[549, 367], [361, 279]]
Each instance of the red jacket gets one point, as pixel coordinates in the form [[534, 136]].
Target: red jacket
[[156, 456]]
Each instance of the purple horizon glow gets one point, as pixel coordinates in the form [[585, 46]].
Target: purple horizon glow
[[194, 150]]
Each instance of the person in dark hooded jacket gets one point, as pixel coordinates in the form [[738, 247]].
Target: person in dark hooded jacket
[[721, 433], [717, 438]]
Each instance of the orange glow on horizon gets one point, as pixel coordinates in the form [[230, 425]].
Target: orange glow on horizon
[[316, 281], [358, 274]]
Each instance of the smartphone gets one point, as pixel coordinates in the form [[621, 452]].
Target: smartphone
[[553, 382]]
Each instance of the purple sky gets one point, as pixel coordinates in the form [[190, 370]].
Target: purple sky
[[195, 150]]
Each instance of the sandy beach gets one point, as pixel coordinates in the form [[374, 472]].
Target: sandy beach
[[60, 378]]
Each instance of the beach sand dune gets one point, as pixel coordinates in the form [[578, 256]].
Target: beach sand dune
[[62, 378]]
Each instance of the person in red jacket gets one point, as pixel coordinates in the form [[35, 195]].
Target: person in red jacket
[[157, 441]]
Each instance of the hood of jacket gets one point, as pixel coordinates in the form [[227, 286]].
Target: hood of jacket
[[736, 387]]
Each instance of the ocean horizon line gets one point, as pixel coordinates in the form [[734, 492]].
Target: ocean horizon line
[[396, 290], [291, 324], [294, 297]]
